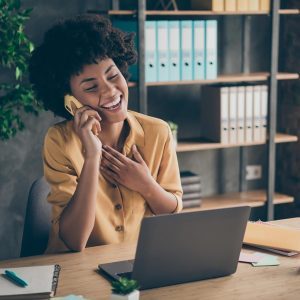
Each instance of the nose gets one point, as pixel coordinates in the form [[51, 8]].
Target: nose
[[107, 91]]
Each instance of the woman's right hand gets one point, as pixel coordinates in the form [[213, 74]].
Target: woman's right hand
[[87, 126]]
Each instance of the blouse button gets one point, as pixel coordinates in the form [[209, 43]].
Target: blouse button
[[118, 206], [119, 228]]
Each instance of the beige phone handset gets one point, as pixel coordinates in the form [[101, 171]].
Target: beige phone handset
[[72, 104]]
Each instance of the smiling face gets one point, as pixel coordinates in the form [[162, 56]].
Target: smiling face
[[102, 87]]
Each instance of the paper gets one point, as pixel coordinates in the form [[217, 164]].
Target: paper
[[251, 257], [267, 260]]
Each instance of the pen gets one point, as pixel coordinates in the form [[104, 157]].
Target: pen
[[15, 279]]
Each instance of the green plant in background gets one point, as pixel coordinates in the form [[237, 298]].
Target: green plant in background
[[15, 48], [172, 125], [124, 286]]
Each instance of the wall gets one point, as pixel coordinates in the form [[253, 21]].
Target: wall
[[20, 157]]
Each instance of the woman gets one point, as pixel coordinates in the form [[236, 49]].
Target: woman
[[107, 167]]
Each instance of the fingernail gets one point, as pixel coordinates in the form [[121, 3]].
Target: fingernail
[[134, 147]]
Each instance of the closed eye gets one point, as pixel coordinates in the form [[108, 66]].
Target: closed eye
[[114, 76], [90, 88]]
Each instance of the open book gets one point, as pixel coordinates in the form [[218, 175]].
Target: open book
[[268, 235], [42, 282]]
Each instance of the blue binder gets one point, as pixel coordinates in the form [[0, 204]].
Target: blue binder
[[186, 44], [151, 51], [162, 51], [129, 26], [174, 50], [199, 50], [211, 43]]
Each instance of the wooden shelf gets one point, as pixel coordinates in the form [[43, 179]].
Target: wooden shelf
[[199, 12], [255, 198], [132, 84], [262, 76], [204, 145], [289, 11]]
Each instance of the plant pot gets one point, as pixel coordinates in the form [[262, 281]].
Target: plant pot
[[135, 295]]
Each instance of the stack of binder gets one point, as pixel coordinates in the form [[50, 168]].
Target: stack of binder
[[191, 185], [231, 5], [235, 114], [177, 50]]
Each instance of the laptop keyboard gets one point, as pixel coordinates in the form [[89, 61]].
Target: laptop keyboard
[[125, 274]]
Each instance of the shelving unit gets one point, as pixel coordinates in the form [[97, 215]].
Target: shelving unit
[[204, 145], [259, 198], [256, 198]]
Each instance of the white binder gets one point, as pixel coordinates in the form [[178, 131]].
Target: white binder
[[256, 113], [233, 115], [162, 51], [225, 115], [241, 114], [248, 114], [264, 112], [174, 50]]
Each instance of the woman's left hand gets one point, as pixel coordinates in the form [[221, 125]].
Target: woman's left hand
[[133, 174]]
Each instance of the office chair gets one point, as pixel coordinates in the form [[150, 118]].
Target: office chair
[[37, 219]]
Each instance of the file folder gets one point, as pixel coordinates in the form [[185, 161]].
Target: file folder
[[249, 114], [233, 124], [162, 51], [186, 43], [174, 50], [242, 5], [129, 26], [253, 5], [230, 5], [264, 112], [256, 113], [199, 50], [151, 51], [215, 116], [211, 41], [241, 114], [265, 5], [272, 236]]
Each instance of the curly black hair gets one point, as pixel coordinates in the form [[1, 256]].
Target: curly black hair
[[70, 45]]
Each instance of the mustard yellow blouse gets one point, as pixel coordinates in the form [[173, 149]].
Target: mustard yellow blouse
[[119, 211]]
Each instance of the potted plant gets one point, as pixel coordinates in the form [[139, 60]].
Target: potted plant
[[16, 95], [174, 129], [125, 289]]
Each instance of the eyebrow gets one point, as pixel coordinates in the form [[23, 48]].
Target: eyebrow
[[92, 78]]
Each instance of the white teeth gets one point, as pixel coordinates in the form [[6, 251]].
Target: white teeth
[[115, 102]]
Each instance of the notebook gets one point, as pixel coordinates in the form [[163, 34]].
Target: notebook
[[42, 282], [272, 236]]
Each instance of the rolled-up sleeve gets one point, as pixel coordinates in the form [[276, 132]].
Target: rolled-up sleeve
[[168, 174], [62, 178]]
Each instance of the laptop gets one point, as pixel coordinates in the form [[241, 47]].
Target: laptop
[[185, 247]]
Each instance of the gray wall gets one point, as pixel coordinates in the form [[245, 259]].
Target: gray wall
[[20, 158]]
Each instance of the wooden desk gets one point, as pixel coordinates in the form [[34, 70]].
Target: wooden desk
[[78, 276]]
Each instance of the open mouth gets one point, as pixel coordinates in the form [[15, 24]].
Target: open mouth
[[113, 105]]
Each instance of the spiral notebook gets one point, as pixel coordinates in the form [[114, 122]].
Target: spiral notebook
[[42, 282]]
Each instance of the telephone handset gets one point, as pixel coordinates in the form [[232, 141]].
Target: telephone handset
[[71, 104]]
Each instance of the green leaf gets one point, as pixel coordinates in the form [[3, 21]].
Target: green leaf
[[31, 47], [18, 73]]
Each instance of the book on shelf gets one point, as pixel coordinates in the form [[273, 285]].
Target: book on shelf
[[191, 203], [42, 282], [192, 196], [188, 177], [191, 188]]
